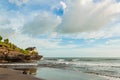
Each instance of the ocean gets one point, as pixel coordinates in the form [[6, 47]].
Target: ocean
[[79, 69]]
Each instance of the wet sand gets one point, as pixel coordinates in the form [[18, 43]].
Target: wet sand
[[63, 74], [10, 74]]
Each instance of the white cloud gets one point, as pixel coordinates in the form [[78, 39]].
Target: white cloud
[[113, 42], [25, 41], [9, 23], [43, 23], [4, 21], [88, 17], [94, 35], [53, 35], [108, 32], [84, 52], [63, 4], [6, 29], [6, 32], [18, 2]]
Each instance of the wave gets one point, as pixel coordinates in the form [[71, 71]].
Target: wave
[[60, 60], [106, 68]]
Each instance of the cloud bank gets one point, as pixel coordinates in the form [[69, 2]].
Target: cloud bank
[[43, 23], [79, 17], [86, 16]]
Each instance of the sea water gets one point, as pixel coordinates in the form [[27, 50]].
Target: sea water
[[79, 69]]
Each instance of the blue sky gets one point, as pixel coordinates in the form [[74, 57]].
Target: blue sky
[[63, 28]]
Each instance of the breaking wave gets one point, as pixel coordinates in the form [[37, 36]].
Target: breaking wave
[[109, 68]]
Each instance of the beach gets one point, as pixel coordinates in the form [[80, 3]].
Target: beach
[[46, 74], [63, 69], [10, 74]]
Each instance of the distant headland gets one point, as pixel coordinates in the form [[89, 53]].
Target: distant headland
[[9, 52]]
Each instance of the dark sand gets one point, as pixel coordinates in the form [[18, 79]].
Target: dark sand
[[10, 74]]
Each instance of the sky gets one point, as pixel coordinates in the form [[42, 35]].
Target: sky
[[63, 28]]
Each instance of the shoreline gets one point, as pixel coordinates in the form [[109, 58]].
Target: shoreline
[[63, 74], [10, 74]]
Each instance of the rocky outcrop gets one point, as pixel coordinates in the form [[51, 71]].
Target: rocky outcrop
[[33, 53], [16, 56], [9, 52]]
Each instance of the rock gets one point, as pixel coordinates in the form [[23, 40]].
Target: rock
[[16, 56], [9, 52], [32, 49]]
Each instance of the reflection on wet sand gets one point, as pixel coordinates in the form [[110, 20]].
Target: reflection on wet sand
[[25, 68], [31, 71]]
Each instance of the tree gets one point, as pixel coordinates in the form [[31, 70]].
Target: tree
[[13, 46], [6, 41], [0, 38], [24, 51]]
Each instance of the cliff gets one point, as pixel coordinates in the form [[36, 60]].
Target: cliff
[[11, 53]]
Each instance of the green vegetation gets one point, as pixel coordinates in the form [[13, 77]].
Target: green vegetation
[[10, 46], [0, 38], [6, 41], [9, 52], [24, 51]]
